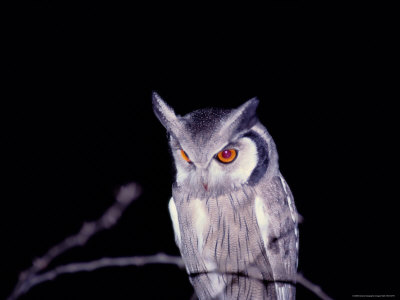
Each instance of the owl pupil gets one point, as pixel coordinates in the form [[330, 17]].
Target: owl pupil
[[226, 154]]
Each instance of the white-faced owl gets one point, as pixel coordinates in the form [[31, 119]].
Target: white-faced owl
[[233, 214]]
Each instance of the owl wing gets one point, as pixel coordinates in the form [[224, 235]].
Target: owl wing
[[175, 222], [277, 220]]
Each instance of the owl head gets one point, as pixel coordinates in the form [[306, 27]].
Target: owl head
[[218, 150]]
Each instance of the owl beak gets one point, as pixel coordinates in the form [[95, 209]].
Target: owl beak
[[205, 186]]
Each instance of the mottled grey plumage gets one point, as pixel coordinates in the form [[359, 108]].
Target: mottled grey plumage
[[235, 223]]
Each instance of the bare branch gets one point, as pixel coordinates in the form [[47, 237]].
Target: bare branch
[[312, 287], [124, 198], [31, 277], [104, 262]]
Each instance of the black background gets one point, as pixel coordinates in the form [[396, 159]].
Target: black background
[[78, 123]]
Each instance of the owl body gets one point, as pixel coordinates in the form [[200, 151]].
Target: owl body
[[233, 214]]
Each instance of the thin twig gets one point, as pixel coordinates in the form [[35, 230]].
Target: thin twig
[[194, 297], [312, 287], [124, 198], [300, 218]]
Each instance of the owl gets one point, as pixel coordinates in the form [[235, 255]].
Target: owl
[[233, 214]]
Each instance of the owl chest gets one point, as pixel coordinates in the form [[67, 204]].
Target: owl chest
[[219, 234]]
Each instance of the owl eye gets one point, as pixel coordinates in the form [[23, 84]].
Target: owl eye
[[227, 156], [185, 157]]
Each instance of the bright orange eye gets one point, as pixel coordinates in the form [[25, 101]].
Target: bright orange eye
[[185, 157], [227, 156]]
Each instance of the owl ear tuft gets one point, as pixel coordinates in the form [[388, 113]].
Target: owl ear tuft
[[242, 118], [165, 114], [248, 116]]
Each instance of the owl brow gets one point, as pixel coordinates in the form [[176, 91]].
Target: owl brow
[[233, 144], [176, 145]]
